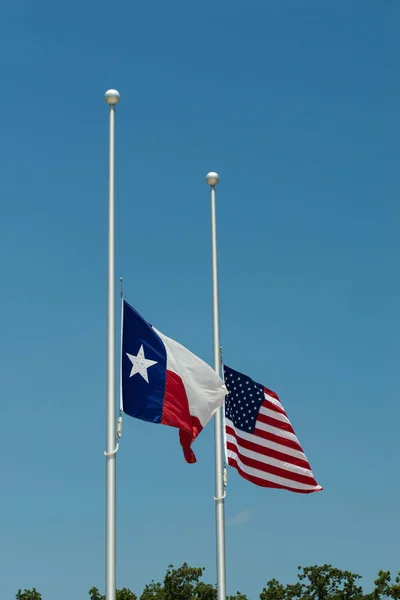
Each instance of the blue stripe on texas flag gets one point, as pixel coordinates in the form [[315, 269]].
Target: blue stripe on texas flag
[[142, 399]]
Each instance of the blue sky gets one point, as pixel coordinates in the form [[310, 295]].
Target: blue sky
[[296, 105]]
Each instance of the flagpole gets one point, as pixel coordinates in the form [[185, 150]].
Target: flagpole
[[112, 99], [212, 179]]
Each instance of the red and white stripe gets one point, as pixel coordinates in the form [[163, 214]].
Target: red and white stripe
[[193, 393], [271, 456]]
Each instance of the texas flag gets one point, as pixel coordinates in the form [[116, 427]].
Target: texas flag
[[163, 382]]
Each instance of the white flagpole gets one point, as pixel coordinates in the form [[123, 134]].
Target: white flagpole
[[212, 180], [112, 99]]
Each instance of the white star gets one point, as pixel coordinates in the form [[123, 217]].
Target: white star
[[140, 364]]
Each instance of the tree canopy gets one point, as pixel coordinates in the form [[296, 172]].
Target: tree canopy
[[28, 595], [123, 594], [323, 582]]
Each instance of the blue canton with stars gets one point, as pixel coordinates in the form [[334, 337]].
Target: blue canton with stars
[[244, 400]]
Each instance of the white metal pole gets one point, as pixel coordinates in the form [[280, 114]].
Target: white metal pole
[[112, 99], [212, 180]]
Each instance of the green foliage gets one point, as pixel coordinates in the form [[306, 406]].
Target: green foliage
[[314, 583], [205, 591], [274, 590], [28, 595], [384, 588], [123, 594], [181, 583], [153, 591], [95, 594], [328, 583]]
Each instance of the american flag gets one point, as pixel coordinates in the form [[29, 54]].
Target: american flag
[[260, 441]]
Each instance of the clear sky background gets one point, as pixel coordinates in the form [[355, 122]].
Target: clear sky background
[[296, 105]]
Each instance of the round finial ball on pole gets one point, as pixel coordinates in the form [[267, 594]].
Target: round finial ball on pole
[[112, 97], [212, 178]]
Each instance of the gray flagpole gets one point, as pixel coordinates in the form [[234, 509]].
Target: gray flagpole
[[212, 180], [112, 99]]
